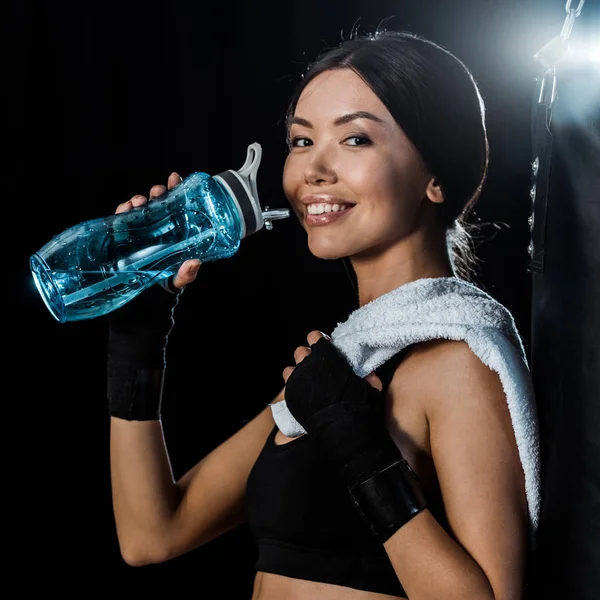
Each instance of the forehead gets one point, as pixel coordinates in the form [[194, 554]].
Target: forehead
[[336, 92]]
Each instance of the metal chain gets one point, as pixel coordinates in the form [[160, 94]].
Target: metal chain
[[577, 10], [557, 47], [572, 14]]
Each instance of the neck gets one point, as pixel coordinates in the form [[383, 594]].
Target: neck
[[415, 257]]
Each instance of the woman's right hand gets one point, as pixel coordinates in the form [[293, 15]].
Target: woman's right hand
[[189, 269]]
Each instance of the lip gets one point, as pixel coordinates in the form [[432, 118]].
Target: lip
[[326, 218]]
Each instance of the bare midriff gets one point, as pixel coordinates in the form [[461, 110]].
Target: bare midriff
[[268, 586]]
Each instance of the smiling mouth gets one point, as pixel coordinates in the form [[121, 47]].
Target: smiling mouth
[[327, 217], [323, 208]]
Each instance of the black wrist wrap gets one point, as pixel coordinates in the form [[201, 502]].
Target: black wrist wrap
[[137, 340], [388, 499], [134, 394]]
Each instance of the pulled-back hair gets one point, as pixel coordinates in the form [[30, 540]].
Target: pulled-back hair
[[434, 98]]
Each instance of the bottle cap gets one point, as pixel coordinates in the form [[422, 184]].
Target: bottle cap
[[241, 185]]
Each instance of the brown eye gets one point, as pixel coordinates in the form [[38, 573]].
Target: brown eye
[[364, 140], [293, 142]]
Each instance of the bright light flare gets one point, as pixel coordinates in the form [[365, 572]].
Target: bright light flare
[[581, 51]]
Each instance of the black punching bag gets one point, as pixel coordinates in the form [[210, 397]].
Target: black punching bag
[[565, 330]]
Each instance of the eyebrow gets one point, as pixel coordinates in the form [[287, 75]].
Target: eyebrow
[[359, 114]]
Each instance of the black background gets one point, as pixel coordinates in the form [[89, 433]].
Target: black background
[[107, 100]]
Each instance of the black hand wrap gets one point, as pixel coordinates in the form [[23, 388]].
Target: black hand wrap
[[346, 415], [137, 341]]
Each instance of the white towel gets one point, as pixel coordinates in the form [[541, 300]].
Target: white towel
[[454, 309]]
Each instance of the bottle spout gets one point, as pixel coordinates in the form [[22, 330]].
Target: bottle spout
[[272, 215]]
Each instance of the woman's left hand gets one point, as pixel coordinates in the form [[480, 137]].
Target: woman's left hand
[[345, 414], [302, 352], [344, 411]]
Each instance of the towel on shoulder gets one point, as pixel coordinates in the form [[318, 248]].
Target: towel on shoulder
[[453, 309]]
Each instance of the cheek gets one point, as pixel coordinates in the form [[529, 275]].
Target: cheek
[[376, 182], [290, 177], [390, 192], [375, 172], [291, 180], [396, 176]]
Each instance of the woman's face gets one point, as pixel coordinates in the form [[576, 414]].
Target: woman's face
[[346, 149]]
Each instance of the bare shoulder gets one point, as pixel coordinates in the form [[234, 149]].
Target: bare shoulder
[[444, 381], [434, 372], [416, 387]]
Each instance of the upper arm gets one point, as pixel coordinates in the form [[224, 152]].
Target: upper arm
[[478, 466], [212, 492]]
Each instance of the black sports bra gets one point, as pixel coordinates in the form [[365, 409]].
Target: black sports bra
[[305, 525]]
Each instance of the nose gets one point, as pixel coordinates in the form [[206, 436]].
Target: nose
[[319, 167]]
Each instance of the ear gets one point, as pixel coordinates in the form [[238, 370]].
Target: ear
[[434, 191]]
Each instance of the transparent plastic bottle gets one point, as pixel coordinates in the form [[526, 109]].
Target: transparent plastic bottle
[[97, 266]]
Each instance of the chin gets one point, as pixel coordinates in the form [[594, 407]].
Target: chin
[[326, 253]]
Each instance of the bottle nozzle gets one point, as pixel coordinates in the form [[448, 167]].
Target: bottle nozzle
[[273, 215]]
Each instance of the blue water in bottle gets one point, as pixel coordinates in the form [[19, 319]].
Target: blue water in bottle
[[97, 266]]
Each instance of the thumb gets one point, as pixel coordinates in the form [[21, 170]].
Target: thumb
[[374, 381], [187, 273]]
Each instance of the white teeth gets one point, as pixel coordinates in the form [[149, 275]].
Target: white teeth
[[319, 209]]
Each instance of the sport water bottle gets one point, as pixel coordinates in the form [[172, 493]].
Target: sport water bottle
[[97, 266]]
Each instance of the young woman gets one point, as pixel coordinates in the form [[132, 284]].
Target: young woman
[[395, 489]]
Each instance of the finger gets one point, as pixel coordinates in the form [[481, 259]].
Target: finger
[[374, 381], [187, 273], [174, 179], [300, 353], [314, 336], [134, 202], [138, 200], [287, 372], [157, 190]]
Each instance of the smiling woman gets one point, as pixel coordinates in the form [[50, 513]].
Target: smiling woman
[[402, 465]]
